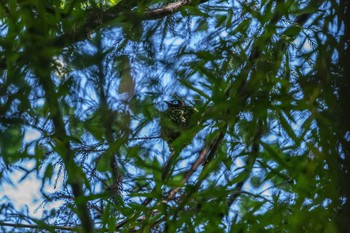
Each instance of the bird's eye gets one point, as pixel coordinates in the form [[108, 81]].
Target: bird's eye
[[175, 102]]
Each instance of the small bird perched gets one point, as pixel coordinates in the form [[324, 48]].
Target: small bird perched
[[175, 120]]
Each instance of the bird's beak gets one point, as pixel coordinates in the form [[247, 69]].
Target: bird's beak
[[167, 102]]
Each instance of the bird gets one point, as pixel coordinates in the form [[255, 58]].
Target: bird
[[175, 120]]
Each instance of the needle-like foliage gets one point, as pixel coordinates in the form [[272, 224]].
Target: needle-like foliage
[[256, 139]]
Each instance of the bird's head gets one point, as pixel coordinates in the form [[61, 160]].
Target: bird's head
[[175, 103]]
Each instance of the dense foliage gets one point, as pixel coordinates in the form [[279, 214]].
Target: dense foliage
[[82, 85]]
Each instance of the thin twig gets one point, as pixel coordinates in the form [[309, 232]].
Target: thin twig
[[32, 226]]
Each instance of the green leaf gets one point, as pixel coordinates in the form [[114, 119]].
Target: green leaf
[[48, 173], [11, 140], [255, 181]]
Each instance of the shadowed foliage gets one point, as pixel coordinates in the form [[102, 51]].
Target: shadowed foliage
[[257, 138]]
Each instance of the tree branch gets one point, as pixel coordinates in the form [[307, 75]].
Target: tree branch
[[97, 17], [165, 10], [32, 226], [62, 140]]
